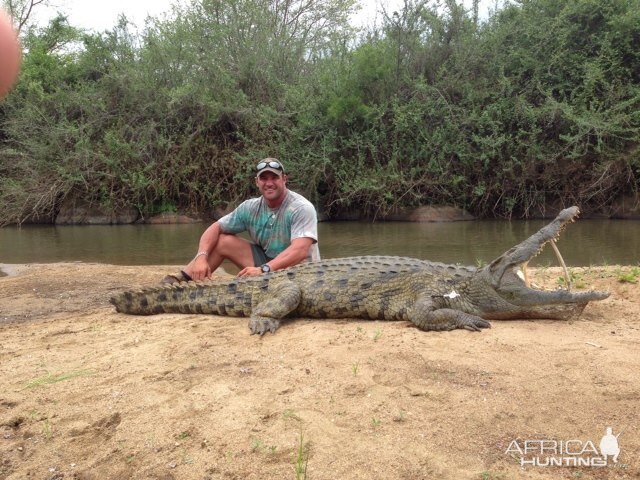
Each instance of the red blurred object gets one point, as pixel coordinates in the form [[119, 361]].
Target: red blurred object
[[10, 54]]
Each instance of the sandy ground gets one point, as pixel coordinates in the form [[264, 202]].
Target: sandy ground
[[87, 393]]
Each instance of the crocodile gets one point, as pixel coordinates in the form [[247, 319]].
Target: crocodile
[[433, 296]]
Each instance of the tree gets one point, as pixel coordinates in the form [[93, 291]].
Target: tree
[[22, 10]]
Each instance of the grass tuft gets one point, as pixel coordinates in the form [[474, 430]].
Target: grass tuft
[[302, 459], [630, 276], [51, 379]]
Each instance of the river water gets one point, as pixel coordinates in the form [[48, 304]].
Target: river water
[[586, 242]]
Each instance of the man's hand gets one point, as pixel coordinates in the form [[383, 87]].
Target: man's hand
[[250, 272], [198, 268]]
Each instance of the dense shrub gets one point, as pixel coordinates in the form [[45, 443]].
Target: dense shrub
[[539, 103]]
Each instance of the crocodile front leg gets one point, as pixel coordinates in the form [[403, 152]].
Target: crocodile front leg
[[426, 316], [266, 315]]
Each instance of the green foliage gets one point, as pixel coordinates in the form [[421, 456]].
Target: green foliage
[[302, 458], [577, 280], [537, 104], [629, 276]]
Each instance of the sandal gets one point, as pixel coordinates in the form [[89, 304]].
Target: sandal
[[181, 276]]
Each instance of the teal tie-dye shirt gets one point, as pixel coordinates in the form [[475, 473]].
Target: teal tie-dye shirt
[[274, 229]]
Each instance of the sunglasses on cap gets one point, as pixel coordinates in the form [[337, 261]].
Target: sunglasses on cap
[[271, 164]]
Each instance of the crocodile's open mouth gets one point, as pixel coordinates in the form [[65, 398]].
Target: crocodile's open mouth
[[510, 278], [523, 273], [517, 258]]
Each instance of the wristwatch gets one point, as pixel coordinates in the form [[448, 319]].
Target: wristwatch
[[265, 268]]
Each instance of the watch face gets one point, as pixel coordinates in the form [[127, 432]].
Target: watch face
[[266, 268]]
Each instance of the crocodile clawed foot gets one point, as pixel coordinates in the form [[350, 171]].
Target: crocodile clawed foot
[[262, 325], [473, 323]]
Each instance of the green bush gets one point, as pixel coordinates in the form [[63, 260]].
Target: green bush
[[537, 104]]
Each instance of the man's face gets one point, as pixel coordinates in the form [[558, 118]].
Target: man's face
[[271, 186]]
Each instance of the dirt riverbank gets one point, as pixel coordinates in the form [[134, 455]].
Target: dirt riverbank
[[87, 393]]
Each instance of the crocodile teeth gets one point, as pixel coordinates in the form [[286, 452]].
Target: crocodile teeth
[[524, 274]]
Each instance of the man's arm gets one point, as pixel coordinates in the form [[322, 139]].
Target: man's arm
[[295, 253], [199, 268]]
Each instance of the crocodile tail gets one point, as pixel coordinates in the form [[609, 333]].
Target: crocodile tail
[[184, 297]]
